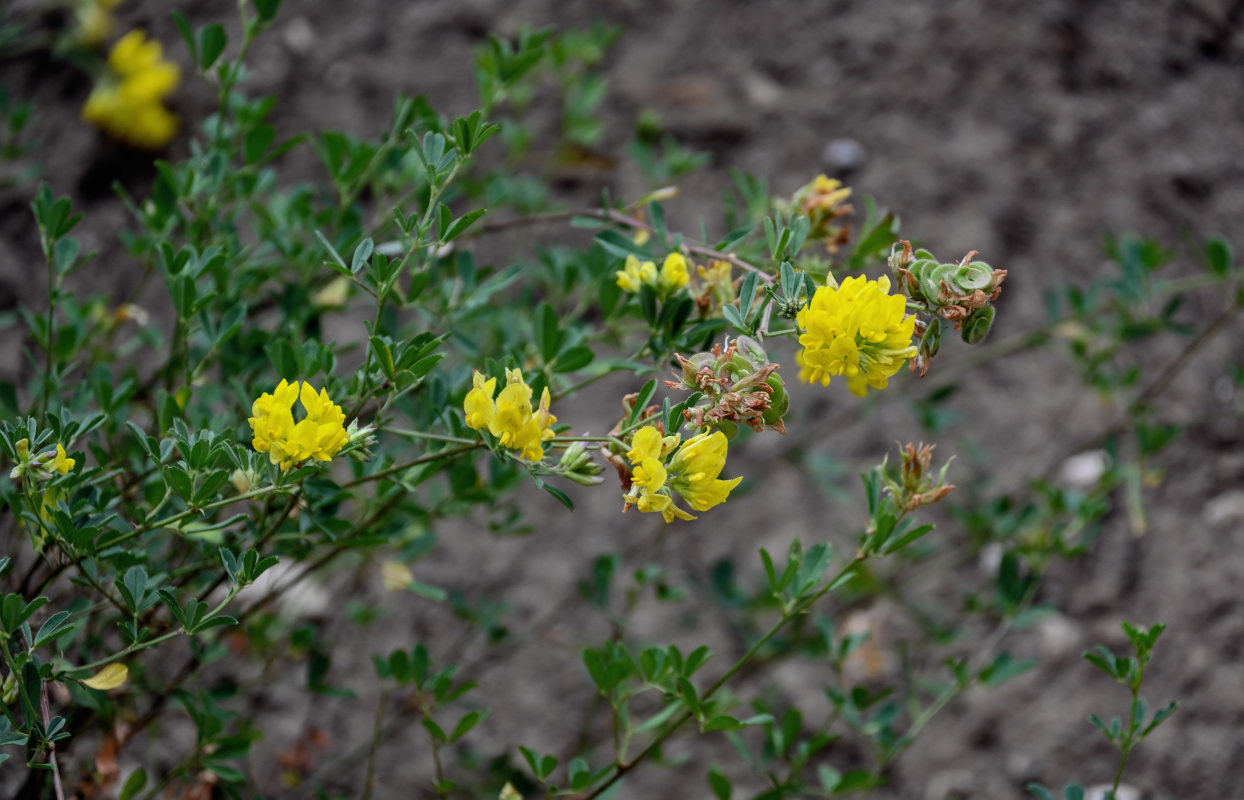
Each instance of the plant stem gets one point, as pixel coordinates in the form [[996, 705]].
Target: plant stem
[[369, 784], [384, 473]]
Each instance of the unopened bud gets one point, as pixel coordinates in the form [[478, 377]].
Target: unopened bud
[[579, 466]]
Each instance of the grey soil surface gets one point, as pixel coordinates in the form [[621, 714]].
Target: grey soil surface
[[1026, 131]]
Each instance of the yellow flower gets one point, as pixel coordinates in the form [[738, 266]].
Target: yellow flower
[[60, 463], [670, 278], [859, 330], [674, 272], [695, 468], [691, 472], [319, 436], [478, 404], [129, 101], [510, 418]]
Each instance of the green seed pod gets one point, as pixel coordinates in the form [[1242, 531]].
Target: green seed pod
[[919, 268], [779, 401], [931, 341], [976, 327], [931, 281], [728, 428], [977, 275]]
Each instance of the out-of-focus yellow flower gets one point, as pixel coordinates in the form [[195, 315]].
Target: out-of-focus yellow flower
[[691, 472], [671, 277], [510, 417], [674, 272], [319, 436], [859, 330], [128, 102]]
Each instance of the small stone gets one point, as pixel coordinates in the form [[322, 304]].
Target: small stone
[[1021, 767], [1084, 470], [299, 35], [762, 92], [1057, 636], [1101, 791], [990, 558], [843, 156], [1226, 508]]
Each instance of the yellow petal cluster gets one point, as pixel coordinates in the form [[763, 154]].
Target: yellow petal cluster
[[128, 102], [670, 278], [510, 416], [319, 436], [691, 472], [61, 463], [859, 330]]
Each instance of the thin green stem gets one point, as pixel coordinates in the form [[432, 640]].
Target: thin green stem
[[384, 473], [190, 512]]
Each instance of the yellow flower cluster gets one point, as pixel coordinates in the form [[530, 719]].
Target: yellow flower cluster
[[670, 278], [319, 436], [691, 472], [129, 101], [858, 330], [510, 417]]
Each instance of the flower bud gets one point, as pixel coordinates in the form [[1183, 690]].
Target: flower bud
[[578, 465]]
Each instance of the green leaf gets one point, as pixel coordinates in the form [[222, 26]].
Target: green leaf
[[337, 262], [547, 333], [184, 295], [1073, 791], [468, 721], [212, 42], [561, 496], [267, 9], [187, 34], [1004, 668], [54, 627], [66, 254], [1040, 791], [723, 722], [720, 784], [134, 784], [1220, 256], [461, 224], [362, 254], [574, 358], [437, 732]]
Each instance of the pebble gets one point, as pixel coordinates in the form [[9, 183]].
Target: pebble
[[1226, 508], [844, 155], [1084, 470], [299, 35], [1057, 636]]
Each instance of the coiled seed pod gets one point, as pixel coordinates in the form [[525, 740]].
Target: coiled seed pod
[[976, 326]]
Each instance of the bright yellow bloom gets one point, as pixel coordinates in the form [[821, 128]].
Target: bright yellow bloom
[[510, 418], [319, 436], [60, 463], [859, 330], [478, 404], [691, 472], [129, 102], [695, 468], [674, 272]]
